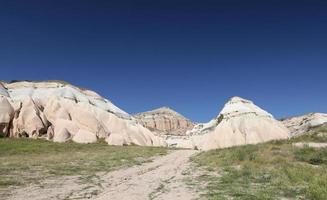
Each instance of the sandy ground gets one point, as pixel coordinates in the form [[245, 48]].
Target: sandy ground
[[164, 178]]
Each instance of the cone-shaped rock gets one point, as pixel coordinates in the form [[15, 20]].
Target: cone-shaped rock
[[240, 122]]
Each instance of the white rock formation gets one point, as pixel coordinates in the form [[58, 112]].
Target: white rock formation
[[40, 92], [62, 112], [29, 120], [116, 139], [62, 135], [3, 90], [301, 124], [6, 115], [165, 121], [84, 136], [240, 122]]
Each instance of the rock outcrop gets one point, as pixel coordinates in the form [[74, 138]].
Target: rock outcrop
[[29, 120], [240, 122], [165, 121], [61, 112], [6, 115], [302, 124]]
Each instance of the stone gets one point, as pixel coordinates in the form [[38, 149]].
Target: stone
[[116, 139], [50, 133], [61, 135], [6, 115], [70, 126], [84, 137]]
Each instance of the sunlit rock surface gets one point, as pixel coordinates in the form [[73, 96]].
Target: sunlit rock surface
[[165, 121], [240, 122], [301, 124], [62, 112]]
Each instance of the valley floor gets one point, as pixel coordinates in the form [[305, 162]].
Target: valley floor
[[287, 169], [164, 178], [46, 169]]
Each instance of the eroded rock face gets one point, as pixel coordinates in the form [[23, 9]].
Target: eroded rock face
[[29, 120], [165, 121], [64, 130], [62, 112], [301, 124], [240, 122], [3, 90], [6, 115], [40, 92]]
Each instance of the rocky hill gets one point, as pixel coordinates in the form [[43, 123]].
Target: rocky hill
[[301, 124], [240, 122], [62, 112], [165, 121]]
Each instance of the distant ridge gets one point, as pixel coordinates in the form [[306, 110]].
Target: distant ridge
[[165, 120]]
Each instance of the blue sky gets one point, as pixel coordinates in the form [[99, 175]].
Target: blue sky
[[190, 56]]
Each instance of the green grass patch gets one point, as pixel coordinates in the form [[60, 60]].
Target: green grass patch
[[267, 171], [24, 161]]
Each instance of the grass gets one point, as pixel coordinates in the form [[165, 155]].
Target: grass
[[272, 170], [158, 190], [24, 161]]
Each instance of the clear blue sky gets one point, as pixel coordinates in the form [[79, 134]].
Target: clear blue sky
[[188, 55]]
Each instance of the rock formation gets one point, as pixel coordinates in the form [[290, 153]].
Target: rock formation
[[165, 121], [240, 122], [6, 115], [302, 124], [62, 112]]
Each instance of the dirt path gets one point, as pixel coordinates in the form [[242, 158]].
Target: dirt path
[[164, 178], [161, 179]]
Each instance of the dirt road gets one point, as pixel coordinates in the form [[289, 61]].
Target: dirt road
[[164, 178]]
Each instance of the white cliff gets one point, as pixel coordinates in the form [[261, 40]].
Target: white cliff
[[62, 112]]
